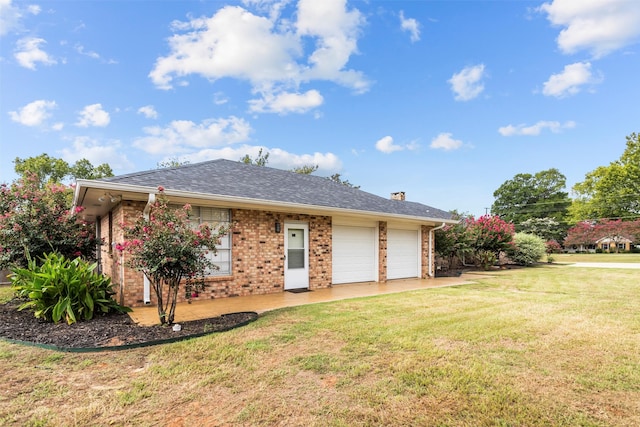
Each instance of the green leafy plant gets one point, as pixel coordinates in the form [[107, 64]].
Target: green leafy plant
[[527, 249], [485, 259], [58, 288]]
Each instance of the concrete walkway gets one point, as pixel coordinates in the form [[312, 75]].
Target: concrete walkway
[[630, 265], [260, 303]]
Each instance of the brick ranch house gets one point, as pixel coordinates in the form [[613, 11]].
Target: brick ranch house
[[290, 231]]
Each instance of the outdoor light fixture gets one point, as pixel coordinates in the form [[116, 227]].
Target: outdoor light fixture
[[277, 226], [109, 197]]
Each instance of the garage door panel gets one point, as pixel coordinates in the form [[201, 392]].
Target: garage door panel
[[354, 254], [403, 254]]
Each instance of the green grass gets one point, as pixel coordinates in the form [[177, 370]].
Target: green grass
[[624, 257], [6, 293], [550, 345]]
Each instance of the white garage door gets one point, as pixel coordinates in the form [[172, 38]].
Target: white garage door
[[354, 254], [403, 254]]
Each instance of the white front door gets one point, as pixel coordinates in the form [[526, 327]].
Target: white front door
[[296, 250]]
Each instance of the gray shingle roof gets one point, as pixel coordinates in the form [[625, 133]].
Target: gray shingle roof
[[231, 178]]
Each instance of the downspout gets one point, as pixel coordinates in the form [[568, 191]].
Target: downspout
[[147, 285], [98, 232], [431, 248]]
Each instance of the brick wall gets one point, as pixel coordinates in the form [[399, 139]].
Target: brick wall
[[257, 255], [425, 230], [382, 251]]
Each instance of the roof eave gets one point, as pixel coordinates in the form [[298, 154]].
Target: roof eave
[[246, 202]]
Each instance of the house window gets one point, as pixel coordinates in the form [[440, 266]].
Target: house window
[[605, 246], [215, 217], [622, 246]]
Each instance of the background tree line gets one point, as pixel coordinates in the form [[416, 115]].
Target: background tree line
[[539, 203]]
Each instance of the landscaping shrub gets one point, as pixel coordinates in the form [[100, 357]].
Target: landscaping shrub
[[527, 249], [485, 259], [35, 220], [57, 288]]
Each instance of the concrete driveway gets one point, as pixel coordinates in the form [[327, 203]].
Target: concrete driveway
[[630, 265]]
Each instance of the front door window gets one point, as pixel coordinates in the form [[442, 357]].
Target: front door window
[[295, 252]]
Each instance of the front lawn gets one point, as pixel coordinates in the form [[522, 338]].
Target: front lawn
[[550, 345]]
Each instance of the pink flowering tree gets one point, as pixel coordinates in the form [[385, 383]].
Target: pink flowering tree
[[489, 235], [36, 219], [169, 251], [618, 231], [582, 234]]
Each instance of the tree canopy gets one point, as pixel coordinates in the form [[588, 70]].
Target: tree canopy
[[611, 191], [260, 160], [53, 170], [529, 196]]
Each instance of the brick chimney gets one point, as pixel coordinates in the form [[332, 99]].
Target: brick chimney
[[398, 196]]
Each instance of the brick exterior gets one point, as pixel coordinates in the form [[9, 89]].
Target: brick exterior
[[257, 254], [424, 233], [382, 251]]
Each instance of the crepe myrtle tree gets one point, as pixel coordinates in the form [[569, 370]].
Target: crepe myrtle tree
[[489, 235], [36, 219], [168, 250]]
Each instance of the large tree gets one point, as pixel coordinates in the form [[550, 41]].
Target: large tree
[[611, 191], [529, 196], [49, 169]]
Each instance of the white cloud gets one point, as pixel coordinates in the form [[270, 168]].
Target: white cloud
[[219, 98], [81, 50], [93, 115], [182, 136], [93, 55], [445, 141], [411, 26], [97, 153], [570, 80], [33, 114], [386, 145], [34, 9], [267, 51], [597, 26], [11, 16], [148, 111], [536, 129], [467, 84], [284, 103], [28, 53], [328, 163]]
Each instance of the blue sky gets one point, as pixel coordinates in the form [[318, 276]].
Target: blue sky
[[444, 100]]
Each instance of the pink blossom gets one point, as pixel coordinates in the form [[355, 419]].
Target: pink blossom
[[160, 188]]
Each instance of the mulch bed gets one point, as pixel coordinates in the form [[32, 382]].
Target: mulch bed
[[110, 330]]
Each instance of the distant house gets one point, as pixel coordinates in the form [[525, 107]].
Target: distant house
[[614, 244], [290, 231]]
